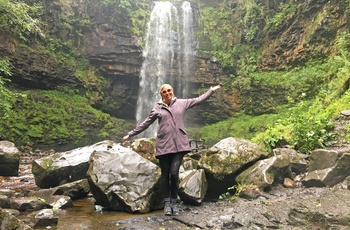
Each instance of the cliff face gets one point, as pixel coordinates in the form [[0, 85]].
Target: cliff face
[[308, 33], [115, 54]]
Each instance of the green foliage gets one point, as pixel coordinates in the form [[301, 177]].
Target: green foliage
[[347, 4], [6, 96], [240, 55], [138, 12], [19, 19], [273, 136], [316, 93], [310, 131], [51, 118], [124, 4], [242, 126], [253, 20], [347, 132], [139, 18], [235, 191], [216, 33], [284, 12]]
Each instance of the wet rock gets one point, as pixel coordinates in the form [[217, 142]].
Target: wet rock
[[327, 168], [13, 212], [225, 159], [65, 167], [4, 201], [75, 190], [27, 203], [8, 221], [144, 146], [281, 208], [188, 164], [347, 182], [267, 172], [7, 192], [9, 159], [45, 218], [122, 180], [193, 187], [60, 202], [289, 183], [298, 161]]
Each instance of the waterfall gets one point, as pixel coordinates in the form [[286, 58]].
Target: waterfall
[[187, 46], [168, 49]]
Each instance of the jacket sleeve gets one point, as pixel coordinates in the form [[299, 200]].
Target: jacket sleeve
[[195, 101], [152, 116]]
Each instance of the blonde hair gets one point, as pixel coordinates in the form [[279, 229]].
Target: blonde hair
[[161, 89], [163, 86]]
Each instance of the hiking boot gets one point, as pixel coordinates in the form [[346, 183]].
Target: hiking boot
[[167, 207], [174, 207]]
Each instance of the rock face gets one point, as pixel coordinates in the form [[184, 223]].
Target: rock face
[[115, 53], [290, 50]]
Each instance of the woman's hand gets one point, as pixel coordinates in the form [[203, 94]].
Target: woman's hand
[[216, 87], [125, 137]]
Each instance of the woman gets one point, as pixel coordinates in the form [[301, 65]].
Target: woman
[[172, 142]]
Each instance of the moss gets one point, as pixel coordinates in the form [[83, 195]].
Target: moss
[[57, 118], [2, 215], [14, 224], [47, 163], [227, 166]]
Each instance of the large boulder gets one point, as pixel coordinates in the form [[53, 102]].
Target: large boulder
[[267, 172], [122, 180], [65, 167], [193, 187], [298, 161], [327, 167], [225, 160], [9, 159]]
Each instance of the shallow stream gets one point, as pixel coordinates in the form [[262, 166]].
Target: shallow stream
[[84, 216], [81, 216]]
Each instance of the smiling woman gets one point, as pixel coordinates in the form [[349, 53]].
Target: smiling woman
[[172, 142], [166, 92]]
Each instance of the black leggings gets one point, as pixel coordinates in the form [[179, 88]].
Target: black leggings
[[170, 165]]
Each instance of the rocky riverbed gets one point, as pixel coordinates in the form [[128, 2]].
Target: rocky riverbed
[[298, 208], [280, 208]]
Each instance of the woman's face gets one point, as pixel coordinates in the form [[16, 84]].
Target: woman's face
[[167, 93]]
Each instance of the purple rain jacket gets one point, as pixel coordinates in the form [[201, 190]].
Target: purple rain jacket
[[171, 134]]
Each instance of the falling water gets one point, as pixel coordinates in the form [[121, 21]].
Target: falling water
[[168, 45], [187, 46]]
